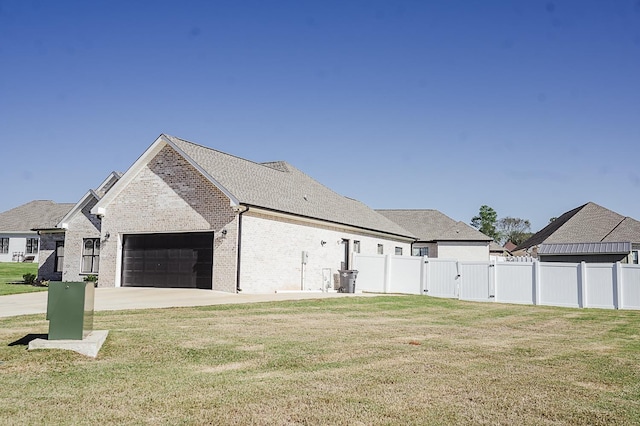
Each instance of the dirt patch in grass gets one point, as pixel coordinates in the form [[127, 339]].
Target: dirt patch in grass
[[387, 360]]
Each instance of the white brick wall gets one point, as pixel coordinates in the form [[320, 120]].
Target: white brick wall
[[169, 195], [272, 252], [82, 225]]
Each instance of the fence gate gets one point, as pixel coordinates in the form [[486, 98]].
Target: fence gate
[[476, 281], [442, 278]]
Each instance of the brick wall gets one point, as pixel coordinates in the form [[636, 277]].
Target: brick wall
[[82, 225], [169, 195], [46, 262], [272, 249]]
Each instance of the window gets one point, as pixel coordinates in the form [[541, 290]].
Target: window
[[420, 251], [4, 245], [32, 245], [380, 249], [59, 258], [398, 251], [356, 246], [634, 257], [91, 255]]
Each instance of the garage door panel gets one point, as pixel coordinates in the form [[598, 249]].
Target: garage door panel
[[168, 260]]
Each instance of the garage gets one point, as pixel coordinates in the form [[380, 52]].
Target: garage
[[182, 260]]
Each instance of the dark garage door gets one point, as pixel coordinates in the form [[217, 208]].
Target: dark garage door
[[168, 260]]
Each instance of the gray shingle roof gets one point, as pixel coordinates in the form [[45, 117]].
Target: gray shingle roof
[[281, 187], [589, 223], [39, 214], [432, 225], [627, 230]]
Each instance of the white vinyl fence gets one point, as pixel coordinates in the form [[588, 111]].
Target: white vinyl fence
[[579, 285]]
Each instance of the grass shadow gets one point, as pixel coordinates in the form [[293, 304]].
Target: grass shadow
[[24, 341]]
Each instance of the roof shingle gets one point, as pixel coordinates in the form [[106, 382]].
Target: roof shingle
[[281, 187], [39, 214], [432, 225], [589, 223]]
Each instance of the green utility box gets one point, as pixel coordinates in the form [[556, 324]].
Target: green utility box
[[70, 310]]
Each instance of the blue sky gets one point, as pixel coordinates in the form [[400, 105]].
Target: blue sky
[[530, 107]]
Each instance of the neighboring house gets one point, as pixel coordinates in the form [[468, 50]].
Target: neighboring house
[[70, 248], [498, 252], [185, 215], [509, 246], [589, 233], [439, 236], [18, 241]]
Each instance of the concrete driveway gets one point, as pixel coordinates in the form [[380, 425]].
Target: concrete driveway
[[112, 299]]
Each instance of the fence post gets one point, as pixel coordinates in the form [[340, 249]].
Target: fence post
[[493, 272], [387, 273], [458, 279], [582, 282], [618, 286], [536, 282], [424, 277]]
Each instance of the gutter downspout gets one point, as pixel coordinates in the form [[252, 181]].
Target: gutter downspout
[[246, 209]]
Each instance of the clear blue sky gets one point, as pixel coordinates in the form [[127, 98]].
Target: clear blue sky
[[530, 107]]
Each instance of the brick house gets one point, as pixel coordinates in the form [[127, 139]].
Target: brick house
[[70, 247], [185, 215]]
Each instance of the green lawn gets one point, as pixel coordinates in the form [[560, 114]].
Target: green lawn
[[411, 360], [13, 272]]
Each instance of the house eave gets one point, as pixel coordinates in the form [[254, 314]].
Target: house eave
[[101, 206], [317, 221]]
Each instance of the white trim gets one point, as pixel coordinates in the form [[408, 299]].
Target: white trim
[[101, 206], [117, 282], [109, 178], [129, 175], [64, 222]]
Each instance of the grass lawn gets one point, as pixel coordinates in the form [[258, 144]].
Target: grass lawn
[[351, 361], [14, 272]]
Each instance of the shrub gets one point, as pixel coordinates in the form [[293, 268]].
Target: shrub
[[29, 278], [92, 278]]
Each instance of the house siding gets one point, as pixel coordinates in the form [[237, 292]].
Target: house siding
[[18, 244], [464, 251], [169, 195], [272, 249], [82, 225]]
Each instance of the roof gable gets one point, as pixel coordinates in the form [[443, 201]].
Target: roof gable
[[276, 186], [589, 223]]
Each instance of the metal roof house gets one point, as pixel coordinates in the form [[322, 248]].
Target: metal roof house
[[440, 236], [589, 233], [18, 240], [185, 215]]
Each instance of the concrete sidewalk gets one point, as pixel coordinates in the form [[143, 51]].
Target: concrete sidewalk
[[112, 299]]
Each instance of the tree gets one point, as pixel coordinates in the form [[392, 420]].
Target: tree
[[485, 222], [514, 229]]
